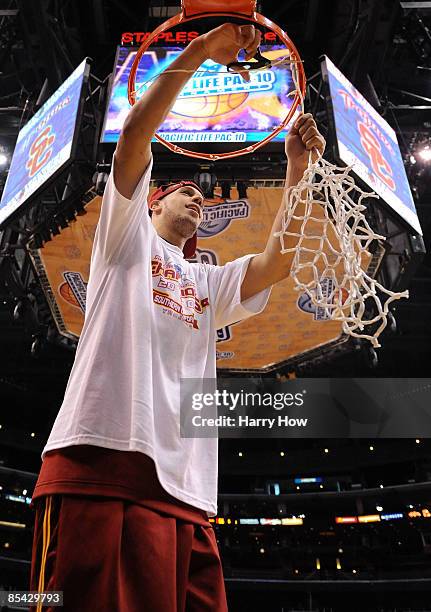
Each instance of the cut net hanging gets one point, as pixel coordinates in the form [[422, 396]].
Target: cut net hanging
[[324, 215]]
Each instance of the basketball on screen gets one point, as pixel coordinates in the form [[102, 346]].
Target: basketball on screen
[[67, 294], [204, 107]]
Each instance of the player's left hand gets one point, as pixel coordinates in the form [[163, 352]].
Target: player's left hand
[[223, 44], [302, 138]]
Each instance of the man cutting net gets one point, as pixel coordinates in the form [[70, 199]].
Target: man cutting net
[[122, 500]]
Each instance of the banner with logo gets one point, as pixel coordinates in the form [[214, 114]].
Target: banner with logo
[[290, 325], [64, 267]]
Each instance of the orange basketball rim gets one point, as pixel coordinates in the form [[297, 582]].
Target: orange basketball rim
[[245, 9]]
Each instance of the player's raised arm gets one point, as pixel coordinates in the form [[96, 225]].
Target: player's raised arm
[[133, 151], [272, 266]]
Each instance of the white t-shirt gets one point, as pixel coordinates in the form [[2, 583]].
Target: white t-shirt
[[151, 318]]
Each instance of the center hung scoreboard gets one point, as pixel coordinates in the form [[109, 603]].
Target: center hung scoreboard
[[366, 141], [214, 107], [46, 144]]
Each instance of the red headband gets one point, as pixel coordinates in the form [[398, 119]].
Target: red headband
[[189, 248]]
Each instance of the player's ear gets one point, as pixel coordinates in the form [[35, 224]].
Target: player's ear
[[155, 207]]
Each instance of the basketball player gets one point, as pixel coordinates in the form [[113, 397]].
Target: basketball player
[[122, 501]]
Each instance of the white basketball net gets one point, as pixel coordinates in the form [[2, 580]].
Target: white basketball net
[[332, 239]]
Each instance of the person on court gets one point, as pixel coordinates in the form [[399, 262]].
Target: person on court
[[122, 500]]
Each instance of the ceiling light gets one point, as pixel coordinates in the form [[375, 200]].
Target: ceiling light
[[425, 154]]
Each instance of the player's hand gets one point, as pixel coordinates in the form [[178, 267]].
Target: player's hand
[[303, 138], [223, 44]]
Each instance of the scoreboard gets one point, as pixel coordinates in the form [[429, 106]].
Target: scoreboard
[[365, 140], [215, 106]]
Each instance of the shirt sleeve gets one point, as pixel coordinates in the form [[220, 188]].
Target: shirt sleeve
[[120, 217], [224, 285]]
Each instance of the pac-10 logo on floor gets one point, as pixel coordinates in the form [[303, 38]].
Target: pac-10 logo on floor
[[305, 304], [330, 293], [219, 215], [205, 256], [74, 289], [224, 334]]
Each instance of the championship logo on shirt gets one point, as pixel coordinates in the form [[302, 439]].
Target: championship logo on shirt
[[74, 290], [175, 292], [219, 213]]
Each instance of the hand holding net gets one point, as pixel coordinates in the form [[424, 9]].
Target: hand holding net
[[331, 249]]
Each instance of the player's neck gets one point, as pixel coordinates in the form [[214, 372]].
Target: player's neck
[[171, 236]]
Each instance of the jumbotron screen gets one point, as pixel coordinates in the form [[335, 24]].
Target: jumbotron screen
[[44, 144], [215, 106], [366, 141]]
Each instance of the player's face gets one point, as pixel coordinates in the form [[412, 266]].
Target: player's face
[[185, 205], [190, 200]]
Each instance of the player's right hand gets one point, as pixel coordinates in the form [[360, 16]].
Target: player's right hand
[[223, 44]]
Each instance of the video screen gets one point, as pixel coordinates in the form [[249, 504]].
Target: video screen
[[366, 141], [215, 106], [44, 144]]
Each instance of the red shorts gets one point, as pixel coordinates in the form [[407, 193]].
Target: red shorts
[[115, 541]]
